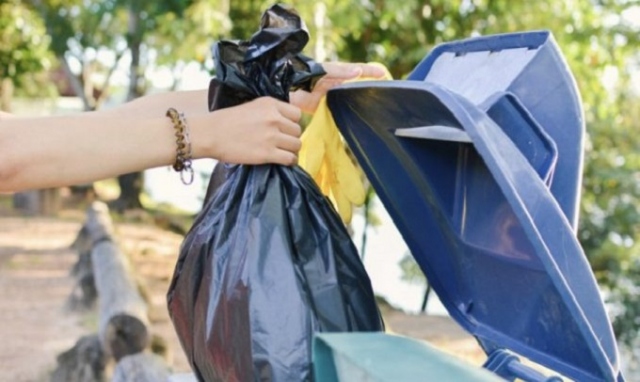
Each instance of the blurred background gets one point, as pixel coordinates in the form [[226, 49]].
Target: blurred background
[[67, 56]]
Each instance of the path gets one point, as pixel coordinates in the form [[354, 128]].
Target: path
[[35, 261]]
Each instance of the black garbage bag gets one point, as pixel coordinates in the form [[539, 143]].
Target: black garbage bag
[[270, 64], [268, 262]]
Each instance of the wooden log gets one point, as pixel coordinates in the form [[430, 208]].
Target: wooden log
[[82, 242], [123, 319], [183, 377], [141, 367], [84, 294], [98, 225], [84, 362]]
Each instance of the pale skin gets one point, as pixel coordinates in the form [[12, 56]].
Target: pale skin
[[75, 149]]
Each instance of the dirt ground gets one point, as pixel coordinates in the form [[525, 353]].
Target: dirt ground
[[35, 284]]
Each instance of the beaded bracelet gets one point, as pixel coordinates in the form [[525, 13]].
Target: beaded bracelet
[[183, 146]]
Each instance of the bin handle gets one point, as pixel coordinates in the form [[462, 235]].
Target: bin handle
[[435, 132]]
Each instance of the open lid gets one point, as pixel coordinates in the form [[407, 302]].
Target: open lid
[[529, 66], [472, 200]]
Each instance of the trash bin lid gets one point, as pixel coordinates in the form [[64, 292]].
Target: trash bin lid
[[531, 67], [490, 235]]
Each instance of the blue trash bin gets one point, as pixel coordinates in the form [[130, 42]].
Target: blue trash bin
[[478, 160]]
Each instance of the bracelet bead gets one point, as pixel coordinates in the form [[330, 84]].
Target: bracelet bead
[[183, 160]]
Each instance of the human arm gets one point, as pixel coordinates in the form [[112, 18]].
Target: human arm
[[66, 150], [75, 149]]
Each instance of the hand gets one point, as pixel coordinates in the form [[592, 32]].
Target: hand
[[264, 130], [337, 73]]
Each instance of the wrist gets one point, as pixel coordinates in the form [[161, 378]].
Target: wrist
[[204, 135]]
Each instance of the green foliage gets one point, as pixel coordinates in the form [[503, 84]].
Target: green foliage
[[23, 43], [164, 33], [75, 25], [625, 307], [188, 35], [245, 17], [411, 271]]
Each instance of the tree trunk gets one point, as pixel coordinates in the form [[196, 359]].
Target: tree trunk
[[131, 185], [27, 202], [85, 362], [6, 94], [425, 299], [77, 84], [82, 90], [49, 201], [142, 367]]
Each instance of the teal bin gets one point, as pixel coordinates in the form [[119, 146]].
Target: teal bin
[[360, 357]]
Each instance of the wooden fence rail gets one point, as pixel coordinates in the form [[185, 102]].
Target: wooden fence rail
[[124, 335]]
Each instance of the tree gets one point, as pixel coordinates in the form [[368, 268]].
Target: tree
[[94, 36], [159, 27], [86, 39], [23, 49], [23, 59]]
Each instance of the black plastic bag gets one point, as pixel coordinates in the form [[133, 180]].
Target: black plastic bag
[[268, 261], [267, 264], [270, 64]]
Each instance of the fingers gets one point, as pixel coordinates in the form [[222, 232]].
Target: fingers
[[283, 157], [285, 117], [345, 71], [291, 112], [326, 84], [373, 70], [338, 70], [286, 143], [289, 143], [308, 101], [290, 128], [262, 131], [289, 124]]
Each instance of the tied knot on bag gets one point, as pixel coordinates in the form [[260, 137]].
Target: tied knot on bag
[[268, 64]]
